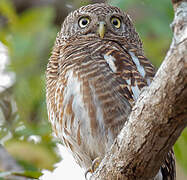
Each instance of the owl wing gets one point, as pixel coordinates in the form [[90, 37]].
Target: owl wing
[[168, 168], [134, 71]]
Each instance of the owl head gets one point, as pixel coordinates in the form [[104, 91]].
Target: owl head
[[100, 21]]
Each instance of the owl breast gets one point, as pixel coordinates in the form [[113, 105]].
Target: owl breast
[[90, 101]]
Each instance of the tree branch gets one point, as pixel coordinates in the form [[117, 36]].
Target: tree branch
[[157, 119]]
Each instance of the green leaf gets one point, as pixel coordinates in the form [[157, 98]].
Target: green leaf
[[29, 174], [180, 149]]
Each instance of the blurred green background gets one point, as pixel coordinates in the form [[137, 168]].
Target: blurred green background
[[28, 29]]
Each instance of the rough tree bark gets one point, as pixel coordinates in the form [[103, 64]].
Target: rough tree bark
[[157, 119]]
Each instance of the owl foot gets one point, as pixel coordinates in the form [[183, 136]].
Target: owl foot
[[95, 165]]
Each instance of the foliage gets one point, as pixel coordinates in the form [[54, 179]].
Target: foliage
[[30, 37], [29, 174]]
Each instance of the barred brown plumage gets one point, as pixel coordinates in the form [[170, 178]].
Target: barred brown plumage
[[94, 75]]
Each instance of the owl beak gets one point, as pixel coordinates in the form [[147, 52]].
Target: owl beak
[[101, 29]]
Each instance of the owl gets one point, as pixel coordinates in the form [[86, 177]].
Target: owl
[[93, 78]]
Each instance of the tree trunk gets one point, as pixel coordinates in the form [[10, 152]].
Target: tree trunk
[[157, 119]]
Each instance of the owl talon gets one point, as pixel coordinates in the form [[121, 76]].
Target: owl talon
[[95, 164], [92, 169], [86, 174]]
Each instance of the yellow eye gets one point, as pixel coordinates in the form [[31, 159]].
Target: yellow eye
[[84, 21], [116, 22]]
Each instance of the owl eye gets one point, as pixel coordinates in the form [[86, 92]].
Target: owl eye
[[84, 21], [116, 22]]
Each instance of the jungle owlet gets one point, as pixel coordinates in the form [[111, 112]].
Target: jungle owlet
[[94, 75]]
